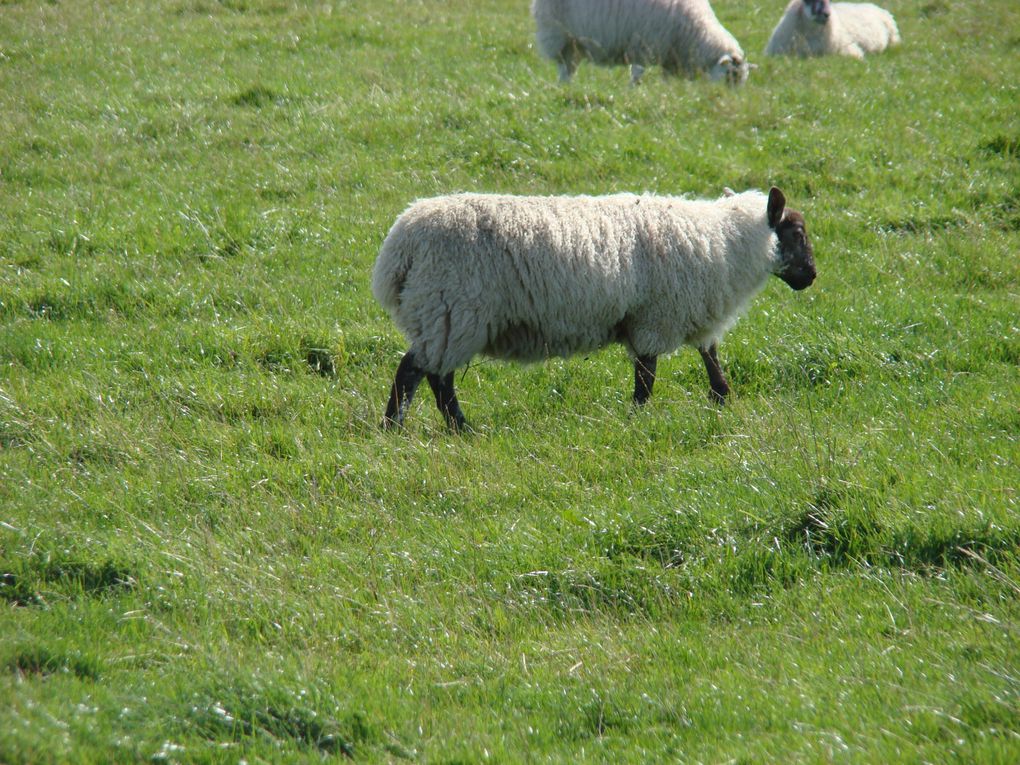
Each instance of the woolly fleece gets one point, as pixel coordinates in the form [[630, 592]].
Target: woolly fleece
[[681, 35], [853, 29], [527, 278]]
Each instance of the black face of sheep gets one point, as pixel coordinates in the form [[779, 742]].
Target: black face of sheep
[[797, 258], [732, 69], [818, 10]]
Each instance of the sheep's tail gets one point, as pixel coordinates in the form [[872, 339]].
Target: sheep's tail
[[894, 32], [391, 269]]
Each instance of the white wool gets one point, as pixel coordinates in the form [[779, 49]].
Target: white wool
[[680, 35], [853, 29], [527, 278]]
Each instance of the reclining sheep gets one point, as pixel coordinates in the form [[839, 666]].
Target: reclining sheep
[[820, 27], [680, 35], [527, 278]]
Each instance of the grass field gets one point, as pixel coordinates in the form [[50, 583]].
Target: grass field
[[210, 553]]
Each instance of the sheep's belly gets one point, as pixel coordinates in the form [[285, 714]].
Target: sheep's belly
[[606, 56], [522, 342]]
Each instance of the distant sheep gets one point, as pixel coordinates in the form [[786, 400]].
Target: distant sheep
[[527, 278], [680, 35], [820, 27]]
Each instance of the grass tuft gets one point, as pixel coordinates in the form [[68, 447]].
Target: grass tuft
[[1007, 146], [40, 661], [33, 581], [256, 97], [255, 711]]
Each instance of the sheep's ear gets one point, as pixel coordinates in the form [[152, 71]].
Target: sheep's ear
[[726, 59], [728, 192], [777, 203]]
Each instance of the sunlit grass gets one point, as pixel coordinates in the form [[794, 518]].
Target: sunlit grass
[[209, 552]]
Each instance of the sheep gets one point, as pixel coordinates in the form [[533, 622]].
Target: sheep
[[681, 35], [528, 278], [818, 27]]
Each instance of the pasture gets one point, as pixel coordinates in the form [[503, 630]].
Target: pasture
[[210, 552]]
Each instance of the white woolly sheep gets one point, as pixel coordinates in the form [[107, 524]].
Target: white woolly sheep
[[820, 27], [528, 278], [680, 35]]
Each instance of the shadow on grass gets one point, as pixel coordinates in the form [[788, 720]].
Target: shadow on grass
[[250, 711], [27, 583], [654, 564], [41, 661], [837, 534]]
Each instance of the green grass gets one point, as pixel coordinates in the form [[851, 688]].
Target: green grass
[[209, 552]]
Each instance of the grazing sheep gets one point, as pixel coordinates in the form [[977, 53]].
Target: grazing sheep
[[819, 27], [527, 278], [680, 35]]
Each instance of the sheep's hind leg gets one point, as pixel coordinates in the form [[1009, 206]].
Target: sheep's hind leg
[[566, 66], [567, 58], [644, 378], [720, 388], [446, 400], [405, 383]]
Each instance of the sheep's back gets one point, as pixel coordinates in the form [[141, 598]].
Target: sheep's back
[[871, 27], [609, 30]]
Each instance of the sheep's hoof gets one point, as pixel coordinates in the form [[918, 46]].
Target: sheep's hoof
[[718, 397], [460, 427]]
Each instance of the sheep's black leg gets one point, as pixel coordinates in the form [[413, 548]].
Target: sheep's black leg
[[644, 378], [446, 400], [720, 388], [566, 63], [405, 383]]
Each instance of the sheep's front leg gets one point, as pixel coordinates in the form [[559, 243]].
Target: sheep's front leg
[[565, 69], [566, 62], [716, 379], [446, 400], [405, 383], [644, 378]]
